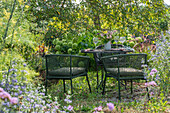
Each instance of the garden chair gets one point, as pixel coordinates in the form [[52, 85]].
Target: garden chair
[[124, 67], [66, 67], [98, 61]]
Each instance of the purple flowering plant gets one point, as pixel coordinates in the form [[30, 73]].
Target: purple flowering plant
[[19, 95], [158, 71], [110, 106]]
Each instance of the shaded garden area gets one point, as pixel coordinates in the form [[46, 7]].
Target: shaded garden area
[[31, 29]]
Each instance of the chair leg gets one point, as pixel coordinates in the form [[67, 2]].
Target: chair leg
[[101, 82], [71, 87], [97, 77], [119, 89], [88, 83], [46, 87], [102, 75], [147, 92], [131, 86], [64, 86], [125, 84], [104, 85]]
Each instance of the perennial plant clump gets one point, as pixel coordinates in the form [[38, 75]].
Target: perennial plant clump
[[158, 72], [159, 63]]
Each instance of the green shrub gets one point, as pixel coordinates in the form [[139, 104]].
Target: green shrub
[[8, 60]]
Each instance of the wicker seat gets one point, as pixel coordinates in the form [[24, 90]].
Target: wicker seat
[[125, 72], [65, 71], [66, 67], [124, 67]]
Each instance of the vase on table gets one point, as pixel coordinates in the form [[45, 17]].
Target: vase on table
[[107, 46]]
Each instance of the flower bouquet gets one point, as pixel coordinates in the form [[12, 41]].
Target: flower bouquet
[[106, 37]]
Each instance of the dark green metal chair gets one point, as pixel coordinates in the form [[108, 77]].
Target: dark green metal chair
[[124, 67], [66, 67], [98, 61]]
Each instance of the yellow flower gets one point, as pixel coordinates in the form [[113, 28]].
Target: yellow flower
[[149, 110], [36, 49], [51, 36], [26, 6], [105, 32], [52, 23], [85, 16], [54, 18], [46, 49]]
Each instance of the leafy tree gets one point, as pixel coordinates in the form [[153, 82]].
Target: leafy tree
[[65, 18]]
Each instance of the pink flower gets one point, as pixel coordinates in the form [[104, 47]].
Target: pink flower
[[154, 70], [109, 37], [56, 107], [114, 31], [70, 108], [152, 73], [14, 100], [111, 33], [146, 84], [1, 90], [99, 108], [87, 50], [96, 108], [101, 35], [151, 93], [110, 106], [152, 83], [5, 94], [1, 94]]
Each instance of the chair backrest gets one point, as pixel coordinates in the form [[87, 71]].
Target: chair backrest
[[64, 63], [125, 60]]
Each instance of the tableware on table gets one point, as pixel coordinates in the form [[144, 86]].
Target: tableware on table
[[95, 40]]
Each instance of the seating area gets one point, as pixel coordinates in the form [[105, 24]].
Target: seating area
[[118, 65]]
